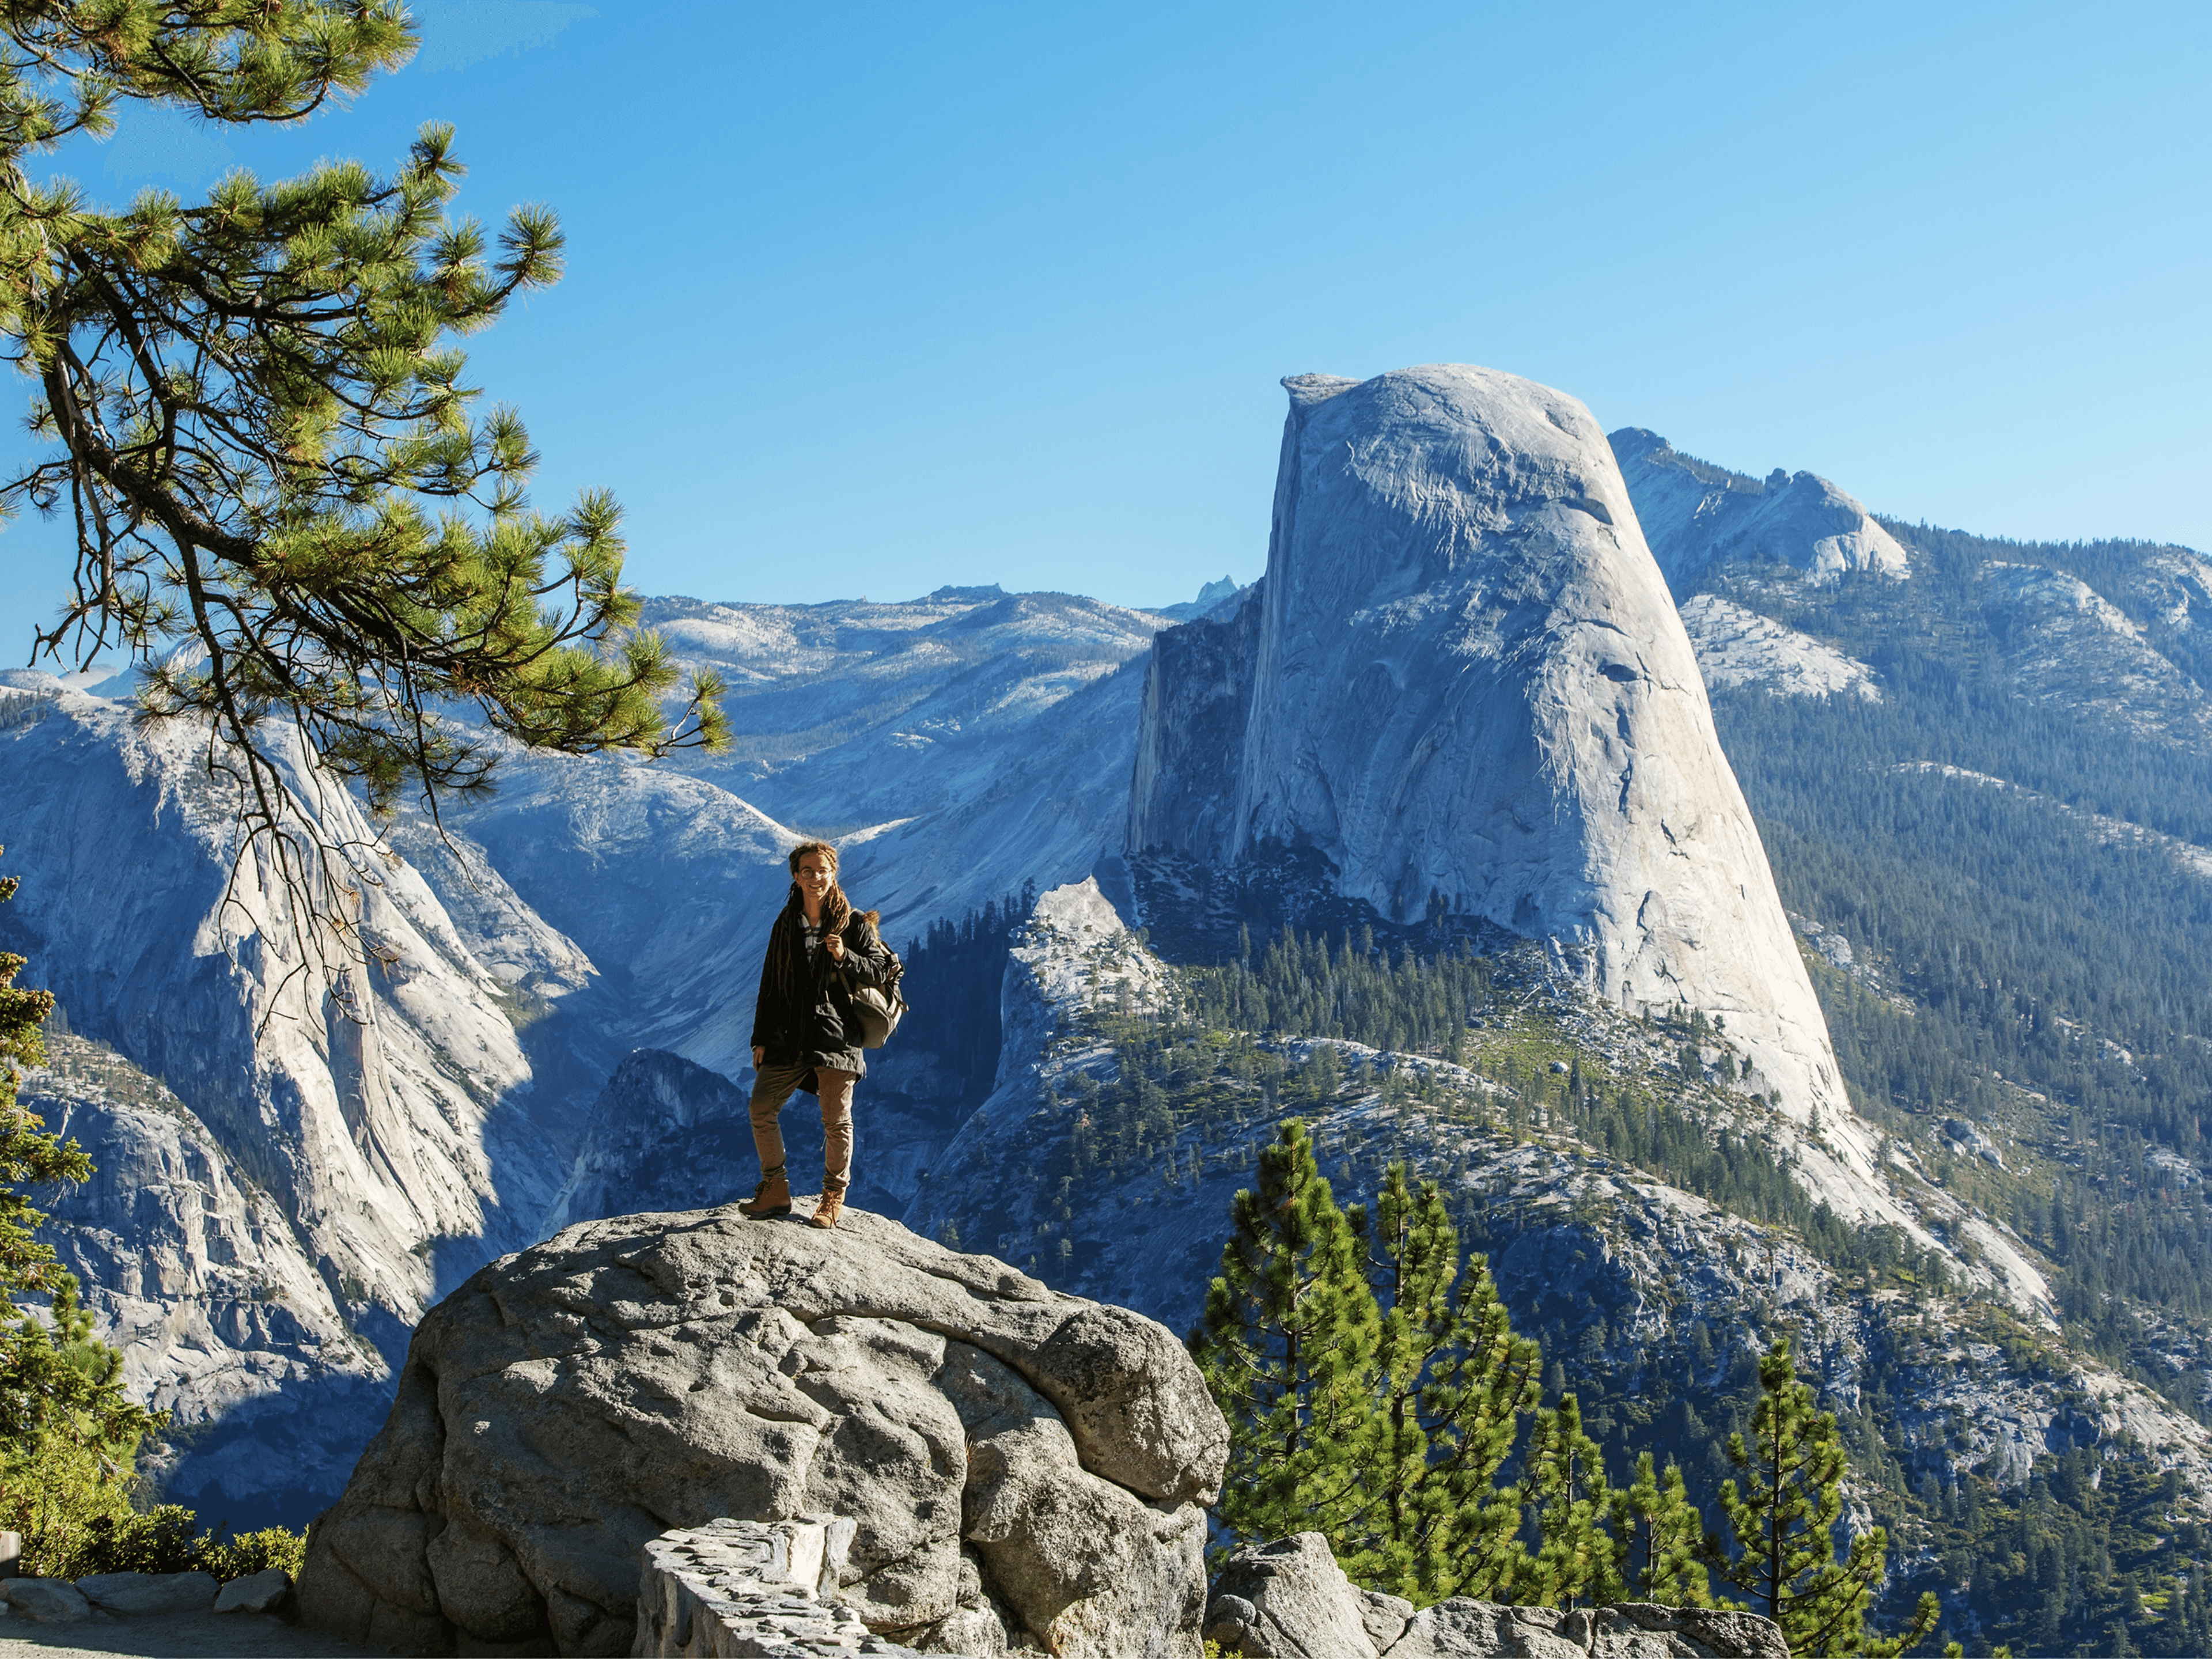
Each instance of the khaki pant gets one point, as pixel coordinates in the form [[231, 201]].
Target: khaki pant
[[774, 1084]]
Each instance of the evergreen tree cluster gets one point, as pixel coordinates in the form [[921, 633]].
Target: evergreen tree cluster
[[1376, 1391], [2090, 1556], [957, 968], [1301, 988]]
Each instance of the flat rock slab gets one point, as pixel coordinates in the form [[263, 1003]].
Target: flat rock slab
[[1462, 1629], [1289, 1600], [131, 1594]]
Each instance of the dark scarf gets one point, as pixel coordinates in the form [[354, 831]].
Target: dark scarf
[[788, 979], [790, 982]]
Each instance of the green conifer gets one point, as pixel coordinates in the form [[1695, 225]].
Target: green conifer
[[1580, 1518], [262, 437], [1287, 1346], [1666, 1540], [67, 1431], [1453, 1383], [1782, 1549]]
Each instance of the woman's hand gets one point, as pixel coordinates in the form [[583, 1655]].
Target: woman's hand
[[835, 946], [760, 1056]]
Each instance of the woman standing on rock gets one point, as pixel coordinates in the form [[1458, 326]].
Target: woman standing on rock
[[805, 1036]]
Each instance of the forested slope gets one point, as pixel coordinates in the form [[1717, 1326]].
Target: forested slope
[[2011, 842]]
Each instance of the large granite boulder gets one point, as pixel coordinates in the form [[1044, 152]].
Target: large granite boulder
[[984, 1434], [1288, 1600]]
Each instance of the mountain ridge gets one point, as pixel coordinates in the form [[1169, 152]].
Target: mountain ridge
[[597, 910]]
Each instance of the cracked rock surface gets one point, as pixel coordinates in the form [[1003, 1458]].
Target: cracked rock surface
[[999, 1447]]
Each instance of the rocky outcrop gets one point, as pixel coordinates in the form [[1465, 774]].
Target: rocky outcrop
[[1693, 514], [1738, 647], [1469, 690], [354, 1136], [569, 1404], [1288, 1600]]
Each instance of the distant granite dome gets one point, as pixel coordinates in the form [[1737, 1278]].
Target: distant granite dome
[[1694, 512], [1462, 683]]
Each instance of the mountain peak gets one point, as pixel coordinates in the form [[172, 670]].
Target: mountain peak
[[1464, 687]]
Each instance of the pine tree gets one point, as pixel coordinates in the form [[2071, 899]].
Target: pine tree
[[1454, 1383], [1580, 1518], [1287, 1346], [1666, 1540], [67, 1431], [1782, 1550], [26, 1264], [262, 436]]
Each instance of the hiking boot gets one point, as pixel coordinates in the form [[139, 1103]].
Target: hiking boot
[[827, 1212], [771, 1198]]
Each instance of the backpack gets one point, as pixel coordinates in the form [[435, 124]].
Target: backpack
[[877, 1009]]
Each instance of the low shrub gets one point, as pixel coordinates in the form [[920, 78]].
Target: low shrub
[[249, 1552], [165, 1539], [159, 1539], [55, 1491], [75, 1517]]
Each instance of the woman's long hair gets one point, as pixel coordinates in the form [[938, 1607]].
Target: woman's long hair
[[836, 908]]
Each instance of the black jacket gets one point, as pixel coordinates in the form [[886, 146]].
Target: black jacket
[[800, 1015]]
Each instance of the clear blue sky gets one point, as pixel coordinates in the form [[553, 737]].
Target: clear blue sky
[[866, 298]]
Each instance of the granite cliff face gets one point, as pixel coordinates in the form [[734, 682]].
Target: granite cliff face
[[1739, 647], [375, 1139], [1468, 691], [197, 1273], [365, 1138]]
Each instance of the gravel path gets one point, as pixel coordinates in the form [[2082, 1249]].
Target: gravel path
[[176, 1635]]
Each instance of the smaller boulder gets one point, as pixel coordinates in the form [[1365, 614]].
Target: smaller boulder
[[265, 1591], [1288, 1600], [1385, 1617], [47, 1601], [129, 1594]]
